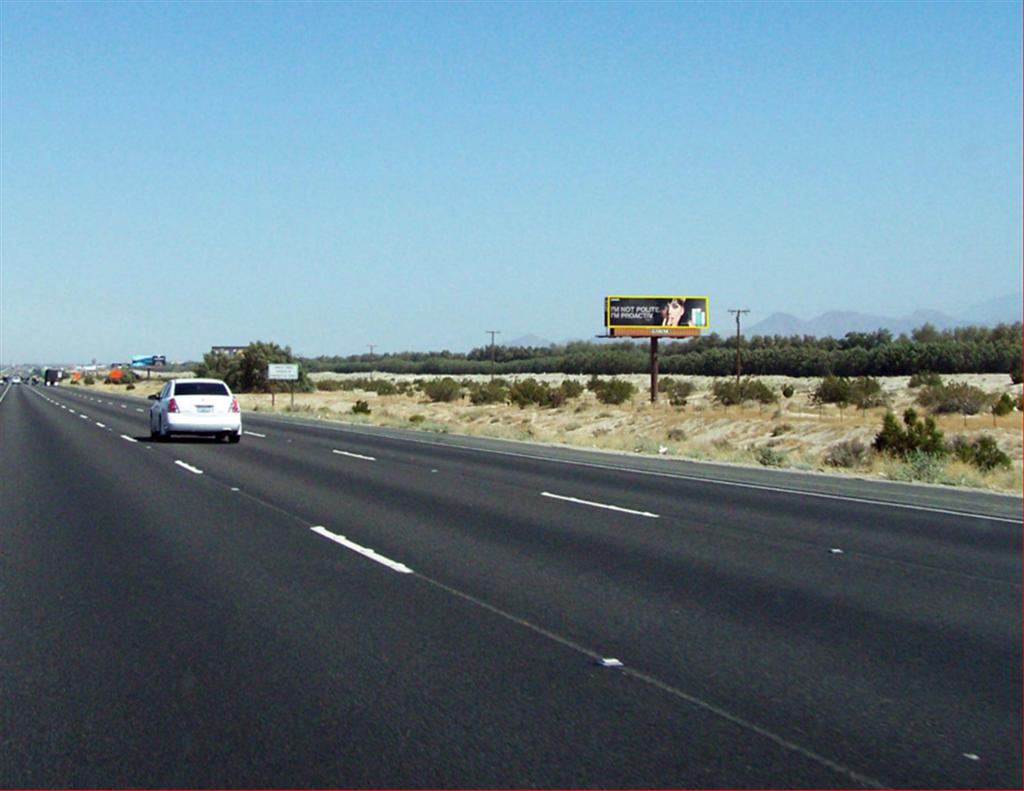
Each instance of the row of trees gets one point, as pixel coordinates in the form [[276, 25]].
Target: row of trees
[[958, 351]]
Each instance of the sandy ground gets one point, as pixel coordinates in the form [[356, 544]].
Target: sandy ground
[[798, 433]]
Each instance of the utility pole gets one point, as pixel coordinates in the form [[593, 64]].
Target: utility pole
[[372, 347], [492, 334], [738, 366]]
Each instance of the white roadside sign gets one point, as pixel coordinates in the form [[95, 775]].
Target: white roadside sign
[[288, 372]]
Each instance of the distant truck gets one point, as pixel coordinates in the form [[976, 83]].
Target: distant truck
[[51, 376]]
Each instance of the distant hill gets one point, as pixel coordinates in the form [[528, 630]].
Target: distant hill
[[525, 341], [837, 323]]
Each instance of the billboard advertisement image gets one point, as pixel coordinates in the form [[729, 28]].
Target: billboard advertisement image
[[669, 312]]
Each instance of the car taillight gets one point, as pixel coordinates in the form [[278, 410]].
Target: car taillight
[[172, 406], [234, 405]]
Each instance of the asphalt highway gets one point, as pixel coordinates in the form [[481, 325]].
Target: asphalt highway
[[325, 605]]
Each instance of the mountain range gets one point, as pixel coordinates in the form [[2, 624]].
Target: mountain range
[[836, 323]]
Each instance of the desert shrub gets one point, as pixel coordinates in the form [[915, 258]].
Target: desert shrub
[[769, 457], [788, 390], [729, 392], [866, 392], [417, 418], [956, 397], [925, 378], [130, 386], [678, 391], [89, 379], [530, 391], [445, 390], [1003, 406], [781, 429], [385, 387], [571, 388], [917, 437], [75, 382], [832, 389], [328, 385], [615, 391], [847, 454], [983, 453], [361, 408], [493, 392]]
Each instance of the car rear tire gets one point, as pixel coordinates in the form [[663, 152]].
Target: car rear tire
[[234, 439]]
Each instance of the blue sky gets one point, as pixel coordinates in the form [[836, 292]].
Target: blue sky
[[331, 175]]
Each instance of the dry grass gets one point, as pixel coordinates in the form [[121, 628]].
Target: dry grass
[[792, 433]]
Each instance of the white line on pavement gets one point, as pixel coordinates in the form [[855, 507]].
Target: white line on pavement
[[648, 514], [188, 467], [254, 434], [401, 568], [138, 410], [353, 455], [101, 425], [129, 439]]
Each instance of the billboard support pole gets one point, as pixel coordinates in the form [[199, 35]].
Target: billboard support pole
[[654, 370]]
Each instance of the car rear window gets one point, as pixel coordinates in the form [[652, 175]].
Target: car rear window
[[200, 388]]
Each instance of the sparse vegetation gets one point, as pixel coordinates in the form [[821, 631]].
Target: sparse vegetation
[[918, 437], [925, 378], [956, 397], [614, 391], [444, 390], [729, 392], [361, 408], [982, 452], [848, 454]]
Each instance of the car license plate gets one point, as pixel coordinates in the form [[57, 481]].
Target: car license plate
[[205, 408]]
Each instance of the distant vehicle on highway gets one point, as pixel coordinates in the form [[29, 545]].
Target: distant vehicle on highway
[[195, 406], [51, 377], [16, 380]]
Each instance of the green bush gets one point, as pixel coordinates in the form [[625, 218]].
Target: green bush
[[729, 392], [925, 378], [529, 391], [89, 379], [417, 418], [443, 390], [983, 453], [769, 457], [678, 391], [361, 408], [494, 392], [957, 397], [1003, 406], [329, 385], [615, 391], [917, 437], [571, 388], [788, 390], [832, 389]]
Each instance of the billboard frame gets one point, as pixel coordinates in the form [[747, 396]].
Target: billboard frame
[[662, 329]]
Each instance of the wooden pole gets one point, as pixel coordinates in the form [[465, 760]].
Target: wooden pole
[[654, 370]]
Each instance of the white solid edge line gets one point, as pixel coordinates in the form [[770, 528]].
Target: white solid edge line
[[713, 481], [401, 568], [254, 434], [353, 455], [188, 467], [648, 514], [129, 439]]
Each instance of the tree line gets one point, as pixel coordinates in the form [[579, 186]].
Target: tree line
[[954, 351]]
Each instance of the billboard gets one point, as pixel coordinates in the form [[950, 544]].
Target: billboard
[[660, 314]]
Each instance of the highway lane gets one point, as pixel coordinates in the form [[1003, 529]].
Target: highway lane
[[895, 659]]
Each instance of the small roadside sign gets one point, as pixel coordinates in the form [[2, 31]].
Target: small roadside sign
[[285, 371]]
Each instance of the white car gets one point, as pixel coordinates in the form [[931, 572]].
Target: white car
[[195, 406]]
